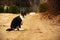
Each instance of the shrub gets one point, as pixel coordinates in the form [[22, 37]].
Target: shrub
[[1, 9], [42, 7], [13, 9], [6, 10]]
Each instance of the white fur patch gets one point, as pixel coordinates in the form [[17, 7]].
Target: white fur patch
[[21, 17]]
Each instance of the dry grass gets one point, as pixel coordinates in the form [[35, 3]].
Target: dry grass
[[36, 27]]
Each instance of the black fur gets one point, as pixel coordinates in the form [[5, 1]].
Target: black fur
[[23, 13], [15, 24]]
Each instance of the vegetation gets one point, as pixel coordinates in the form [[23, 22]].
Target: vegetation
[[54, 7], [1, 9], [42, 7], [6, 10], [10, 9], [13, 9]]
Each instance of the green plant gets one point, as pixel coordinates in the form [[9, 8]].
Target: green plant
[[13, 9], [42, 7], [6, 10], [1, 9]]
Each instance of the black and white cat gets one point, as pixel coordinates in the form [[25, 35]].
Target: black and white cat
[[17, 22]]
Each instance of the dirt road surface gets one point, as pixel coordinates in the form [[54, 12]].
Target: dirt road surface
[[35, 28]]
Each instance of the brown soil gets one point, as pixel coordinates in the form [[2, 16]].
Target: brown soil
[[36, 27]]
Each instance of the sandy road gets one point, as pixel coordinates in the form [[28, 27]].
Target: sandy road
[[34, 29]]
